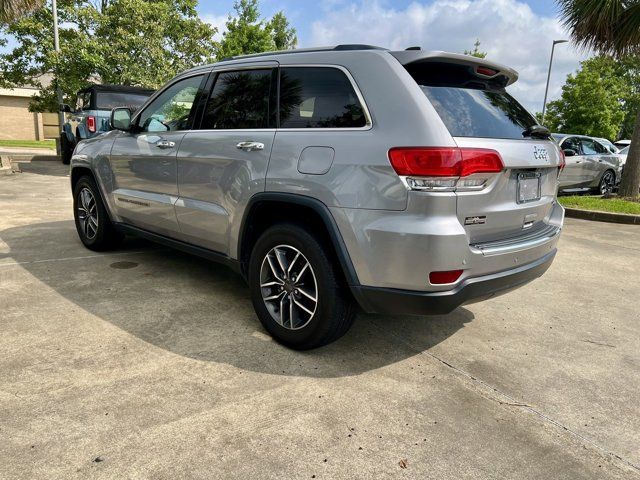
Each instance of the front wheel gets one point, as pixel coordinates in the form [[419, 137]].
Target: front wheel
[[92, 220], [297, 290]]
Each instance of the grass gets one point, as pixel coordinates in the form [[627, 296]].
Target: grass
[[615, 205], [29, 143]]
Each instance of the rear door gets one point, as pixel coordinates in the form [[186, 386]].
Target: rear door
[[573, 174], [482, 115], [224, 162], [144, 161]]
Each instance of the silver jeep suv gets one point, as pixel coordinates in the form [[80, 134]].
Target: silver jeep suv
[[405, 182]]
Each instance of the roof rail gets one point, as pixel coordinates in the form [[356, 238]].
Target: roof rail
[[344, 47]]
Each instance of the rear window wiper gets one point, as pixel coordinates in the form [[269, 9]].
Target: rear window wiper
[[537, 131]]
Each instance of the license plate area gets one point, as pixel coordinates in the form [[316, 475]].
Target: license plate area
[[528, 187]]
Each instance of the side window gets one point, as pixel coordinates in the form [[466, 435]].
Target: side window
[[588, 146], [170, 111], [601, 149], [318, 97], [572, 143], [240, 100]]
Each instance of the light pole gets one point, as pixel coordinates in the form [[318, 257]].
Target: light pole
[[56, 46], [546, 90]]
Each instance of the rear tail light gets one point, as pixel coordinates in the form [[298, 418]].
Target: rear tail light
[[486, 71], [563, 163], [440, 278], [91, 123], [445, 168]]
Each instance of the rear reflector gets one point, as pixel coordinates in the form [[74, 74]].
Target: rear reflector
[[91, 123], [444, 161], [449, 276]]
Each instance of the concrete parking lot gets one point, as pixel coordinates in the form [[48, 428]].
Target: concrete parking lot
[[149, 363]]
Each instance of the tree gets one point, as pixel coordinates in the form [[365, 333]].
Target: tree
[[610, 28], [130, 42], [476, 51], [247, 33], [10, 10], [593, 101]]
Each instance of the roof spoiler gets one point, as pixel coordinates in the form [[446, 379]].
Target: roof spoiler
[[483, 68]]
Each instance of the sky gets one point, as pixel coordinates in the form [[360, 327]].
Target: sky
[[517, 33]]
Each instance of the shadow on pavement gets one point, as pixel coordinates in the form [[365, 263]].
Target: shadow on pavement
[[201, 310], [43, 165]]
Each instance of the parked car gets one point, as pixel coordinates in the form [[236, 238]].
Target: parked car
[[622, 154], [407, 182], [607, 144], [90, 116], [590, 166], [622, 143]]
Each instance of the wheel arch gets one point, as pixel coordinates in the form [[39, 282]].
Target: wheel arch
[[307, 211]]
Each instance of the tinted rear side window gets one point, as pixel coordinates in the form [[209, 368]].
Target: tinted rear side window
[[240, 100], [318, 97], [471, 112], [110, 100]]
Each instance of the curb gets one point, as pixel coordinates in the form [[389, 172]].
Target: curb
[[5, 165], [603, 216]]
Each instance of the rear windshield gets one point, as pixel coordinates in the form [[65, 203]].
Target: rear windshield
[[109, 100], [472, 112]]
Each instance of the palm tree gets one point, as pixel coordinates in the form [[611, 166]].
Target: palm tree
[[610, 27], [11, 10]]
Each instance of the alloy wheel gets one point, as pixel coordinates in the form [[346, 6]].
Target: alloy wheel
[[88, 213], [289, 287], [607, 183]]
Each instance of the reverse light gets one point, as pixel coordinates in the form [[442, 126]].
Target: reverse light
[[91, 123], [448, 276], [445, 168]]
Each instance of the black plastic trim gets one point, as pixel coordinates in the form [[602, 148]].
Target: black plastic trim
[[408, 302], [179, 245], [322, 210]]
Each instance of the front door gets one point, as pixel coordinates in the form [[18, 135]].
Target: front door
[[224, 162], [144, 161], [573, 174]]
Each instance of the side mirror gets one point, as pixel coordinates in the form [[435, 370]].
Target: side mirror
[[568, 152], [120, 119], [65, 108]]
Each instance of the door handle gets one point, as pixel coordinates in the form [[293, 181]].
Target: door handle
[[165, 144], [249, 146]]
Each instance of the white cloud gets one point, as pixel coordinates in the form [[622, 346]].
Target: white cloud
[[509, 31], [217, 21]]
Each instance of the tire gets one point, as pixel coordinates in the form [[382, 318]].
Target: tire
[[66, 149], [95, 228], [333, 311], [607, 182]]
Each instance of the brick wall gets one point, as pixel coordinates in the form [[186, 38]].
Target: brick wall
[[16, 121]]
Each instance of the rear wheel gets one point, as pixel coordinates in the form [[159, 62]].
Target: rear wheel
[[92, 221], [66, 149], [607, 182], [296, 289]]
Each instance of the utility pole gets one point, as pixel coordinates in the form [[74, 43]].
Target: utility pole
[[546, 90]]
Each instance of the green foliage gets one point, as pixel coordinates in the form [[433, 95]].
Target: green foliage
[[615, 205], [597, 100], [476, 51], [130, 42], [247, 33]]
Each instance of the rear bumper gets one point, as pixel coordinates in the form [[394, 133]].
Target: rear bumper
[[409, 302]]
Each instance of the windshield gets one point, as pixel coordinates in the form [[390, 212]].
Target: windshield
[[469, 112], [109, 100]]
